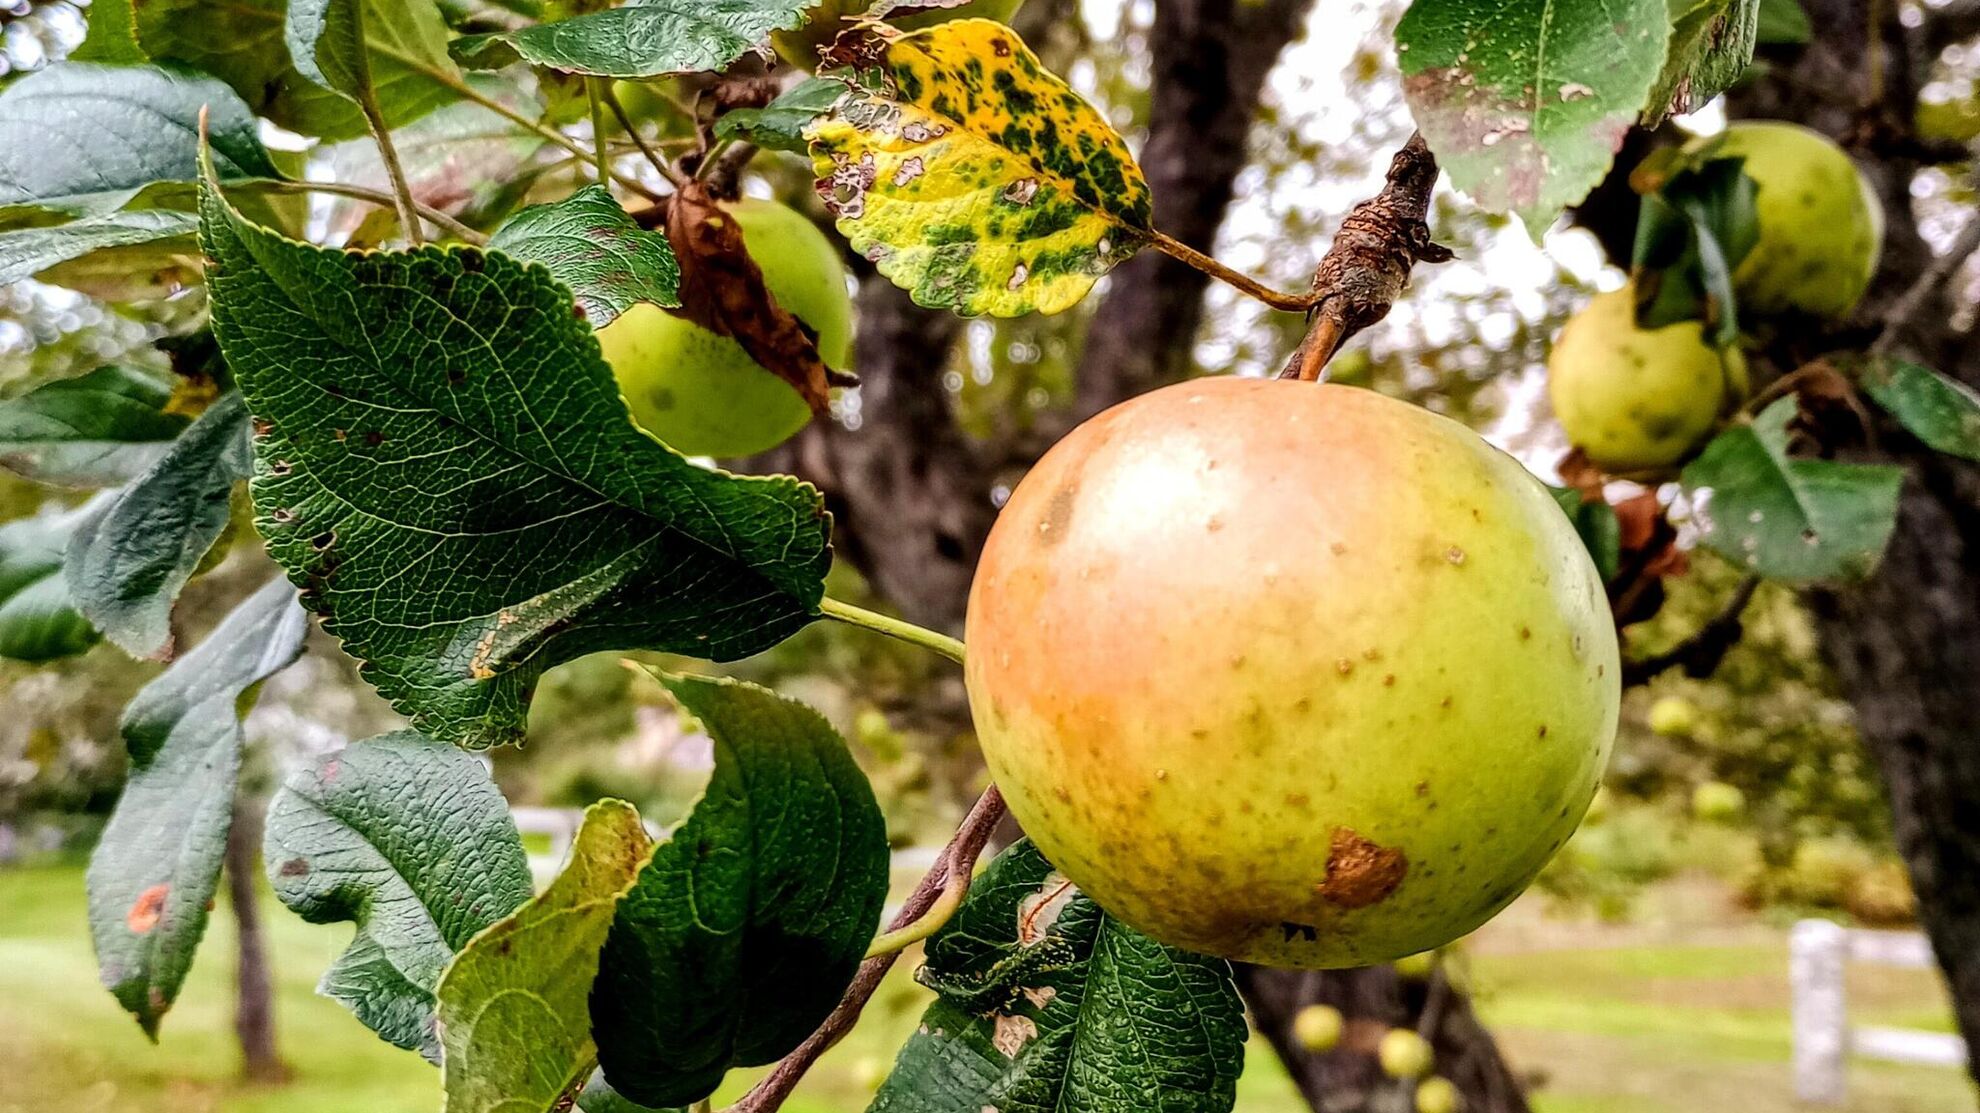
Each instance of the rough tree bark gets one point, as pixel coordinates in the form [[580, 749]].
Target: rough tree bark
[[910, 493], [254, 990], [1906, 645]]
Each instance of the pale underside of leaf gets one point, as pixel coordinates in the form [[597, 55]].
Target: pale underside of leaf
[[979, 181], [99, 429]]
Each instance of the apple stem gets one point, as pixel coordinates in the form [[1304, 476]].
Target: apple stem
[[845, 612], [956, 859], [1244, 283], [1368, 265]]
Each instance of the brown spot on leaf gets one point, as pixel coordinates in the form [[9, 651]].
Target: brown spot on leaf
[[1360, 872], [146, 909], [1011, 1033], [295, 867]]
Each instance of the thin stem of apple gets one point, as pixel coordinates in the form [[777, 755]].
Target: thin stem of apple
[[1183, 253], [360, 193], [959, 856], [892, 627], [601, 150], [658, 160]]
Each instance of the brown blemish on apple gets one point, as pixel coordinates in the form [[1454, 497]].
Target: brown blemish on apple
[[146, 909], [1359, 871]]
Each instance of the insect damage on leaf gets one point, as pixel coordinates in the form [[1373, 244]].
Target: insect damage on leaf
[[973, 177], [722, 290]]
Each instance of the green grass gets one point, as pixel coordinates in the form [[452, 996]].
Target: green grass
[[1634, 1028]]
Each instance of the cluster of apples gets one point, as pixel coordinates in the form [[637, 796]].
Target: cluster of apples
[[1636, 399], [1403, 1054]]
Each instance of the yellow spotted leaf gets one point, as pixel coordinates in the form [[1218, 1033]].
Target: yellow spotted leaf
[[973, 177]]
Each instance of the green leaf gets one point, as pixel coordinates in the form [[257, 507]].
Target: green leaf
[[643, 39], [746, 928], [976, 179], [1786, 517], [1525, 101], [1596, 524], [1049, 1005], [243, 44], [141, 125], [409, 839], [515, 1032], [30, 251], [588, 243], [127, 564], [38, 620], [779, 125], [431, 424], [1943, 413], [1690, 236], [154, 871], [100, 429], [111, 36], [1783, 21], [1711, 45], [395, 50]]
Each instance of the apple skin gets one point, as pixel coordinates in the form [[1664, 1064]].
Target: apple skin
[[1317, 1028], [1438, 1095], [700, 392], [1251, 657], [1633, 398], [1821, 227], [1717, 802], [1404, 1054]]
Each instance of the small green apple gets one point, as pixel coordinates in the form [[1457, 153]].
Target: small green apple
[[1673, 716], [1404, 1054], [1292, 674], [1417, 967], [1636, 398], [1438, 1095], [1717, 802], [1821, 226], [1317, 1028], [700, 392]]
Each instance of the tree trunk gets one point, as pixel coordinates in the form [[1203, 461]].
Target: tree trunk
[[254, 990], [1905, 645], [1375, 1000]]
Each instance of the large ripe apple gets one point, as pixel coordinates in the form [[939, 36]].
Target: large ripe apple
[[1821, 227], [1633, 398], [1287, 673], [700, 392]]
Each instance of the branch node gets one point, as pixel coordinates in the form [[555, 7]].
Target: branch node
[[1368, 266]]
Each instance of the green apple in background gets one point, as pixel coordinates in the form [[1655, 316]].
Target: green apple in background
[[1672, 716], [1317, 1028], [1289, 673], [1821, 227], [825, 19], [1438, 1095], [1416, 967], [1404, 1054], [1636, 398], [700, 392], [1717, 802]]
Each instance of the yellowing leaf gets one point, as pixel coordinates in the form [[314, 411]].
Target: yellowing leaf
[[974, 178], [515, 1033]]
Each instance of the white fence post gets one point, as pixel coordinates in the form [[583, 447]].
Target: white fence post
[[1817, 950]]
